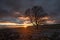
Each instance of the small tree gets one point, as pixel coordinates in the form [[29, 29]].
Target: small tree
[[35, 14]]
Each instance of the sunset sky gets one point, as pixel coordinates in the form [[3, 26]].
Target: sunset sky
[[14, 8]]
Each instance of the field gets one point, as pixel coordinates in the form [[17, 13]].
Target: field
[[44, 32]]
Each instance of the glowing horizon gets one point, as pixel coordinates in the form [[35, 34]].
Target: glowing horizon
[[15, 25]]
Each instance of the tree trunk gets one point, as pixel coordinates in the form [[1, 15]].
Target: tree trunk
[[36, 25]]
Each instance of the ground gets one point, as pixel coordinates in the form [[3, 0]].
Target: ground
[[45, 32]]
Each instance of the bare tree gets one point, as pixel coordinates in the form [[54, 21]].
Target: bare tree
[[35, 14]]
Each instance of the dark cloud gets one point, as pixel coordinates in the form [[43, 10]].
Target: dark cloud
[[10, 19], [48, 5], [7, 7]]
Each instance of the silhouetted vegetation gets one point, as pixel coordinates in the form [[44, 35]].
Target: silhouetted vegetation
[[30, 33], [55, 36], [35, 14], [8, 34]]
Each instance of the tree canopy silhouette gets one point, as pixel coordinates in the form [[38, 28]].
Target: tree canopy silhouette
[[35, 14]]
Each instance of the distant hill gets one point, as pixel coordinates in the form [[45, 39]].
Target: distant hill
[[51, 26]]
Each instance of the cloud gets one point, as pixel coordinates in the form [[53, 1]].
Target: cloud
[[10, 19], [7, 7], [21, 5]]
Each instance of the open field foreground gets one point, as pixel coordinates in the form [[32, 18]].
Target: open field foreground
[[45, 32]]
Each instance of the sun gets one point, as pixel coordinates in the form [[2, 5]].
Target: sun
[[27, 25]]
